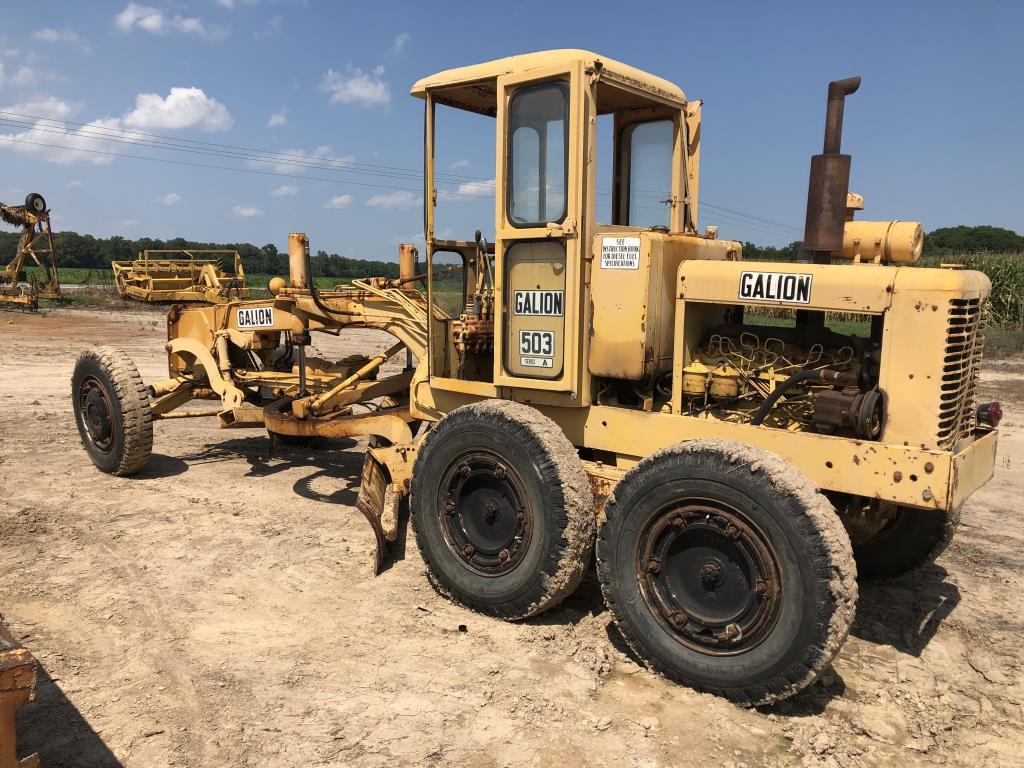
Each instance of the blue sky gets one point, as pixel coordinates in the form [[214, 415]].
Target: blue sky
[[935, 129]]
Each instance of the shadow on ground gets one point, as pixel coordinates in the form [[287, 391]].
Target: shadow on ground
[[905, 612], [53, 727]]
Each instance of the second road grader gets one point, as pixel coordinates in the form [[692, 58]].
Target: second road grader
[[631, 390]]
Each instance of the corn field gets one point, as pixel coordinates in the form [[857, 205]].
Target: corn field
[[1005, 270]]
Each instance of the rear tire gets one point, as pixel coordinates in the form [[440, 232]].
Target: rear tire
[[726, 570], [35, 203], [502, 509], [913, 538], [112, 411]]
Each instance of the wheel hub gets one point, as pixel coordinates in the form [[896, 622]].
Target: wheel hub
[[484, 517], [97, 414], [711, 576]]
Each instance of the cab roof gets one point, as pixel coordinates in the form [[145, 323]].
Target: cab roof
[[475, 87]]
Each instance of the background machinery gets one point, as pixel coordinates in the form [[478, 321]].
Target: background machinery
[[173, 280], [734, 441], [36, 242]]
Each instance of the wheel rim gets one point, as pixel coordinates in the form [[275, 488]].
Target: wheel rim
[[485, 514], [710, 576], [96, 414]]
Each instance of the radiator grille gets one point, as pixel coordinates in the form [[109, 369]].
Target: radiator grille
[[965, 340]]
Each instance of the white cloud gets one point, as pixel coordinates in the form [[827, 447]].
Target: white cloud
[[399, 43], [458, 165], [170, 199], [230, 4], [182, 108], [155, 22], [28, 77], [285, 190], [400, 199], [469, 190], [338, 201], [247, 211], [299, 160], [74, 184], [64, 36], [278, 118], [50, 107], [271, 30], [353, 86], [60, 143]]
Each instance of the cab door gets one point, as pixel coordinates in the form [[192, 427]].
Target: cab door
[[538, 208]]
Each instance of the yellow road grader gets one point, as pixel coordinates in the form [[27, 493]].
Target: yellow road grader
[[631, 392]]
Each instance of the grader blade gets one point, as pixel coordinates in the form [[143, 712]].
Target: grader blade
[[378, 502]]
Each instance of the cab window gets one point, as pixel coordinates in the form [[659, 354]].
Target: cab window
[[537, 168], [648, 161]]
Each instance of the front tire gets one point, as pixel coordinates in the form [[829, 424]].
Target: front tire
[[112, 411], [502, 509], [726, 570]]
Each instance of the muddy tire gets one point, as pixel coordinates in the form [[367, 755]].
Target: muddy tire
[[727, 571], [112, 411], [911, 539], [502, 510]]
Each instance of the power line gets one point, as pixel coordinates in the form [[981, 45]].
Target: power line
[[112, 134], [252, 155]]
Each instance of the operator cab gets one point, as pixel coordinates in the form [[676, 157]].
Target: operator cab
[[514, 313]]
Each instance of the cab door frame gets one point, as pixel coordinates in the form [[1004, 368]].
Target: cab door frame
[[566, 232]]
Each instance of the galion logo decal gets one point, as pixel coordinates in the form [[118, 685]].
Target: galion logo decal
[[786, 287]]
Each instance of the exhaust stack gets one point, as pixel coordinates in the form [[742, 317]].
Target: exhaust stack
[[830, 179]]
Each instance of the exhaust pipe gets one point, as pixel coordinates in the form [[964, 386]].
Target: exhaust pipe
[[830, 180]]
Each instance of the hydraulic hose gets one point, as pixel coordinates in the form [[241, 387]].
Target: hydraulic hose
[[834, 377]]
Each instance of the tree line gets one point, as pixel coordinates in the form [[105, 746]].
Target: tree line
[[86, 251]]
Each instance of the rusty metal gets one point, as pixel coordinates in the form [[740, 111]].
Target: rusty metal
[[36, 242], [829, 179], [298, 261], [408, 258], [849, 407], [699, 591], [17, 686]]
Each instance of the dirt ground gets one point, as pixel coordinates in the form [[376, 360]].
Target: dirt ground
[[218, 610]]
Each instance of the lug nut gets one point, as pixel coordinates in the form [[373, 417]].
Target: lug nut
[[468, 550]]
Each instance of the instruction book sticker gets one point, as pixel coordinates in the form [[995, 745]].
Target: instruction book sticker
[[620, 253], [254, 317], [786, 287]]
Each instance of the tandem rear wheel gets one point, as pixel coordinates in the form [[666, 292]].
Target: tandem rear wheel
[[726, 570], [502, 509]]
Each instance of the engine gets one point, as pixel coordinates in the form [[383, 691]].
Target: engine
[[806, 379]]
